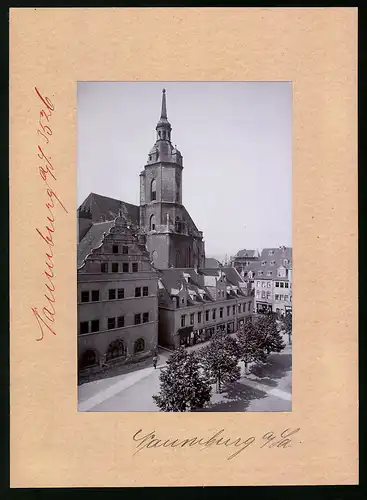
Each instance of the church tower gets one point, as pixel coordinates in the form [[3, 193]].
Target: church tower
[[172, 238]]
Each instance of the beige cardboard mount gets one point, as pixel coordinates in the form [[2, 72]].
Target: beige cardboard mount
[[51, 49]]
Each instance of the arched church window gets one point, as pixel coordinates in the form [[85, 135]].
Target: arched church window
[[164, 134], [153, 188], [152, 223], [159, 133]]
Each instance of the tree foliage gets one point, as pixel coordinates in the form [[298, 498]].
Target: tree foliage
[[270, 338], [287, 324], [182, 385], [250, 345], [220, 359]]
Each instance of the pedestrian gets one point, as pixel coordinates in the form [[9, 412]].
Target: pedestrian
[[155, 359]]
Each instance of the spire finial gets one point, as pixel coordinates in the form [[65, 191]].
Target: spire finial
[[164, 106]]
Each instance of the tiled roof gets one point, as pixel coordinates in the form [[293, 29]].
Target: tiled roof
[[92, 239], [103, 207], [246, 253]]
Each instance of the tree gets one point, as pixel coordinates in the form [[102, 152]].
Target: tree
[[182, 385], [267, 330], [287, 325], [250, 345], [220, 359]]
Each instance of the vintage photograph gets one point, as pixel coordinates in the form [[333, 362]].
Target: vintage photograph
[[184, 246]]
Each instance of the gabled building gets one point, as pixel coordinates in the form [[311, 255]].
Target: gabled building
[[117, 296], [194, 303]]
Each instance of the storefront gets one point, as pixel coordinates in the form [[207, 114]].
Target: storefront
[[221, 327], [209, 332], [230, 327], [263, 307], [186, 335]]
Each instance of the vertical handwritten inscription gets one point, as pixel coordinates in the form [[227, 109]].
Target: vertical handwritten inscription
[[45, 316]]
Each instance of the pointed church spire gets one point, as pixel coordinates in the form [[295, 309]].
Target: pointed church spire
[[164, 105]]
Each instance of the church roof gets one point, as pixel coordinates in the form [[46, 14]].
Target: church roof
[[92, 239], [211, 263], [104, 208]]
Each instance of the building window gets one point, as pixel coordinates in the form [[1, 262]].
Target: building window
[[263, 263], [206, 315], [239, 308], [263, 295], [199, 317], [111, 323], [213, 316], [183, 300], [85, 296], [268, 294], [260, 273], [138, 292], [286, 298], [137, 319], [271, 252], [258, 294], [115, 267], [269, 284], [94, 325], [281, 284], [120, 321], [125, 267], [183, 320], [228, 310], [277, 284], [115, 350], [264, 284], [272, 262], [135, 267], [120, 293], [111, 294], [221, 312], [145, 291], [281, 298], [233, 309], [88, 358], [84, 327], [153, 190], [258, 283], [115, 249], [145, 317], [125, 250], [276, 296], [104, 267], [286, 285], [249, 306], [269, 273], [139, 346], [95, 295], [192, 318]]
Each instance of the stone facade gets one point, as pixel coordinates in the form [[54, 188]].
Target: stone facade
[[117, 300]]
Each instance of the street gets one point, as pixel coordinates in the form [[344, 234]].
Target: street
[[266, 388]]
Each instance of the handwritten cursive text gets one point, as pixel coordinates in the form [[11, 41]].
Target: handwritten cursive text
[[45, 317], [239, 444]]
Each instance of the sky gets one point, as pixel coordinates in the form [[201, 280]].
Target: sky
[[236, 142]]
